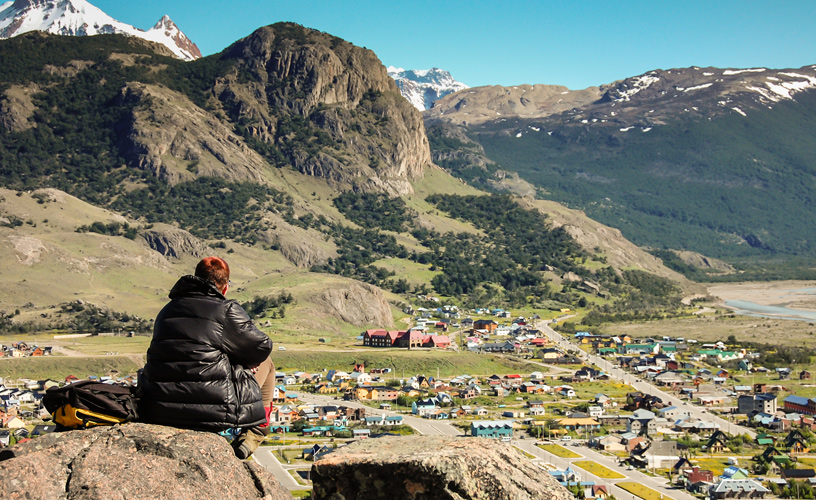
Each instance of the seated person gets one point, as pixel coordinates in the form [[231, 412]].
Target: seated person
[[208, 366]]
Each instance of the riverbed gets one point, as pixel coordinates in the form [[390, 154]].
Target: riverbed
[[789, 300]]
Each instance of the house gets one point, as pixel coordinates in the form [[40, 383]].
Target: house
[[599, 491], [762, 403], [361, 433], [661, 454], [797, 473], [717, 443], [569, 475], [579, 421], [501, 429], [423, 407], [360, 378], [610, 443], [485, 324], [796, 442], [642, 422], [602, 400], [734, 472], [550, 353], [11, 422], [375, 420], [669, 379], [738, 488], [695, 474]]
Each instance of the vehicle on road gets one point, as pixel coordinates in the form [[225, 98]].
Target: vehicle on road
[[566, 438]]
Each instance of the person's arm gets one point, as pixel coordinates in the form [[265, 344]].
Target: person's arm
[[243, 342]]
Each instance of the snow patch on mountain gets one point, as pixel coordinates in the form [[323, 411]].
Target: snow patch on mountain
[[80, 18], [424, 86], [778, 89], [634, 85], [729, 72], [697, 87]]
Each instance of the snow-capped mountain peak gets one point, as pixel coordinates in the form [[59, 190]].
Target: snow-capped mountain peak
[[80, 18], [424, 86]]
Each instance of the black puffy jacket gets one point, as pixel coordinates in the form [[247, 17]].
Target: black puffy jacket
[[197, 372]]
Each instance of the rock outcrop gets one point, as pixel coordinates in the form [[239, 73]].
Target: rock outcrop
[[133, 461], [324, 106], [176, 140], [357, 303], [17, 108], [174, 242], [431, 468]]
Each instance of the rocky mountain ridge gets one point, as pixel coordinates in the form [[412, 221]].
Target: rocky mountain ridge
[[643, 101], [424, 87], [80, 18]]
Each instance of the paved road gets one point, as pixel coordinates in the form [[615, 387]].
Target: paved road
[[266, 457], [641, 385]]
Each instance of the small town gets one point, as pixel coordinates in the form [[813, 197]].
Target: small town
[[602, 415]]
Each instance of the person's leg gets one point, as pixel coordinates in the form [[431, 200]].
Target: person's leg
[[249, 440], [265, 375]]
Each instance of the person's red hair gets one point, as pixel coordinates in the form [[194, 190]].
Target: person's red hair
[[215, 270]]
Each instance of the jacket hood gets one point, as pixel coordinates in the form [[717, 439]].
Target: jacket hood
[[193, 285]]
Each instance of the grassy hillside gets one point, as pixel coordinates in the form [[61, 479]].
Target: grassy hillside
[[57, 367], [733, 187]]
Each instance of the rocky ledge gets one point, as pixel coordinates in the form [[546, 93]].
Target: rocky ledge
[[132, 461], [431, 468]]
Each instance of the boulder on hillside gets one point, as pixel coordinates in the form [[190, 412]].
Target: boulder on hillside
[[133, 461], [174, 242], [431, 468], [356, 303]]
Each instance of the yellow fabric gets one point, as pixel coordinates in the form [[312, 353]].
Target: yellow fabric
[[73, 418]]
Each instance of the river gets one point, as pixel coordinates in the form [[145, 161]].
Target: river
[[789, 300]]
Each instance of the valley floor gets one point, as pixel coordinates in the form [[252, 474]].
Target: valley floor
[[800, 295]]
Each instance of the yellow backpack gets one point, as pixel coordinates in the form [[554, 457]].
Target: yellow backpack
[[87, 403]]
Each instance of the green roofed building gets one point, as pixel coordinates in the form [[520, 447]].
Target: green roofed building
[[492, 429]]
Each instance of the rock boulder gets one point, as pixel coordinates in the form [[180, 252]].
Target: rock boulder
[[431, 468], [133, 461]]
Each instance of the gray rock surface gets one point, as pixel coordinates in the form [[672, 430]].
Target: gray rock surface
[[133, 461], [356, 303], [174, 242], [431, 468]]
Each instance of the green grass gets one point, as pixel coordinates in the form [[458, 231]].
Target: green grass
[[402, 361], [413, 272], [59, 367], [612, 388], [598, 469], [526, 454], [558, 451], [102, 345], [641, 491]]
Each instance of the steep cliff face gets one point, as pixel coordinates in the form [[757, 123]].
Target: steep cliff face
[[325, 106], [176, 140]]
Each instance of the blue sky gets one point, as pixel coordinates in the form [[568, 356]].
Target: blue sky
[[576, 43]]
